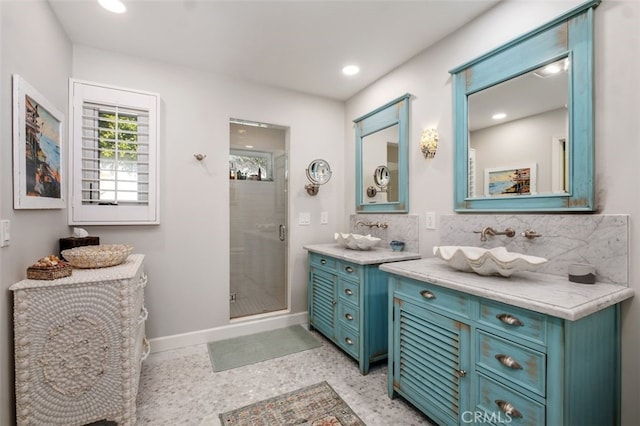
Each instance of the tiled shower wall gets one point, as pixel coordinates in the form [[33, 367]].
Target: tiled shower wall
[[598, 240]]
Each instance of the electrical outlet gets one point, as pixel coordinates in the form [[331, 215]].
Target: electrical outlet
[[304, 219], [324, 218], [430, 220]]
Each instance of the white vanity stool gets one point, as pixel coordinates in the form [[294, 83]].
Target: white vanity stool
[[79, 345]]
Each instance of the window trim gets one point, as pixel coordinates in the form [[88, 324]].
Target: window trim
[[81, 91]]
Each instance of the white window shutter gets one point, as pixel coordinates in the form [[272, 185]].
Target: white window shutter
[[114, 155]]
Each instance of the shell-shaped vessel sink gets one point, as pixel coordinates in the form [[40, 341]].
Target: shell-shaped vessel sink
[[495, 261], [356, 241]]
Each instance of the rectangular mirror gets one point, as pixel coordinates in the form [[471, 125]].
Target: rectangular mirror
[[523, 117], [382, 159]]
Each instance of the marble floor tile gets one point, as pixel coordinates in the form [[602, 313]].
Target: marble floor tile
[[179, 387]]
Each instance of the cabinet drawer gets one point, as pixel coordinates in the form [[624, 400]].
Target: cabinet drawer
[[349, 291], [349, 315], [503, 405], [521, 366], [516, 321], [349, 340], [348, 269], [433, 296], [322, 260]]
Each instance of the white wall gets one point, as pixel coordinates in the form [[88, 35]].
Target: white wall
[[617, 90], [33, 46], [187, 256]]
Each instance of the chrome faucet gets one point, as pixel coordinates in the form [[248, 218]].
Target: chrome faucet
[[487, 230], [383, 225]]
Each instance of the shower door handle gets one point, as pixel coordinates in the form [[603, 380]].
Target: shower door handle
[[281, 232]]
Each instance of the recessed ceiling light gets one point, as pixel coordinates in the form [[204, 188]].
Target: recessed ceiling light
[[499, 116], [553, 68], [115, 6], [351, 70]]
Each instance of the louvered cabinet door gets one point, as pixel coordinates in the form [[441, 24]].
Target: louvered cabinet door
[[430, 363], [322, 301]]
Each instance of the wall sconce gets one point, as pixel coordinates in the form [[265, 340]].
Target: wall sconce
[[318, 174], [429, 142]]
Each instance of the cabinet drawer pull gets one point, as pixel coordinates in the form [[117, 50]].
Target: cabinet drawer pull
[[349, 341], [462, 373], [427, 294], [348, 291], [508, 361], [508, 408], [323, 261], [349, 317], [509, 319], [348, 269]]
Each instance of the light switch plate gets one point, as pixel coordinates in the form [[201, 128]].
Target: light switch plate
[[324, 218], [430, 220], [304, 219], [5, 233]]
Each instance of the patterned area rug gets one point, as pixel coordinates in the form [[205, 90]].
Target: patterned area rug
[[315, 405]]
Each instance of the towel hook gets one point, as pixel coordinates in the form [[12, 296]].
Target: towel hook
[[200, 157]]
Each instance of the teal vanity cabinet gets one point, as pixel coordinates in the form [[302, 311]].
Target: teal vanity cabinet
[[533, 349], [347, 296]]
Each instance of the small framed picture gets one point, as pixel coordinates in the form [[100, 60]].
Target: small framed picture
[[37, 150], [503, 181]]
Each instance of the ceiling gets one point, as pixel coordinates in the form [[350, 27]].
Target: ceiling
[[298, 45]]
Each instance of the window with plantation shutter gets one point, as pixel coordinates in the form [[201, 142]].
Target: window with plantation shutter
[[114, 150]]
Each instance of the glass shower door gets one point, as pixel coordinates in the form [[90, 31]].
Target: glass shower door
[[258, 243]]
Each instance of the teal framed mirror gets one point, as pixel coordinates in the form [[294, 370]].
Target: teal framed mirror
[[523, 121], [382, 143]]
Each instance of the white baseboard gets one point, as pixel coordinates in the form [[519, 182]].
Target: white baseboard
[[177, 341]]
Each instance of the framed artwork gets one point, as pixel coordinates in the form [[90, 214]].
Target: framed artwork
[[501, 181], [37, 150]]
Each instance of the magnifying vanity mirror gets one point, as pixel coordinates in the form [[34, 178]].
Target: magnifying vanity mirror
[[381, 178], [382, 157], [524, 121], [318, 174]]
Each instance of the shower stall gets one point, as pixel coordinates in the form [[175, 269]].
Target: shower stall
[[258, 218]]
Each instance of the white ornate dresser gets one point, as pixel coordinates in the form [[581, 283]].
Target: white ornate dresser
[[79, 345]]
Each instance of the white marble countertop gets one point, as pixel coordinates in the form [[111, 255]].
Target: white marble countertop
[[362, 257], [549, 294]]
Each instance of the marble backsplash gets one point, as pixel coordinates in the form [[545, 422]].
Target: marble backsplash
[[599, 240], [400, 227]]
